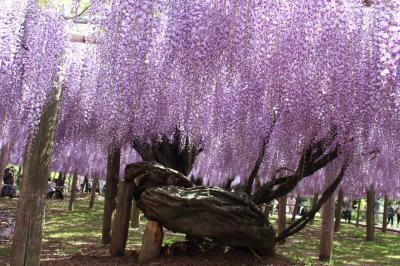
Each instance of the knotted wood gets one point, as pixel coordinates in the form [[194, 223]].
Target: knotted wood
[[226, 217], [151, 175]]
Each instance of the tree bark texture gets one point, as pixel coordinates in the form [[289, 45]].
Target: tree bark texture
[[326, 238], [72, 198], [178, 154], [225, 217], [113, 163], [385, 214], [150, 175], [152, 242], [370, 230], [338, 211], [282, 215], [135, 215], [27, 242], [120, 224], [95, 184]]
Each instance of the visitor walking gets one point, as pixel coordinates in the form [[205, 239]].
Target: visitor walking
[[8, 189], [398, 213], [390, 215]]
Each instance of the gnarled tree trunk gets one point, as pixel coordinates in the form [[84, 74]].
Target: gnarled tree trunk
[[113, 163], [225, 217]]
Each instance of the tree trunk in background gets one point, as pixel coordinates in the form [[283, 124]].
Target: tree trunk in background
[[266, 211], [358, 213], [338, 211], [120, 224], [113, 163], [370, 214], [27, 241], [4, 159], [95, 184], [296, 208], [327, 215], [135, 215], [152, 242], [281, 215], [72, 199], [385, 214], [314, 202], [86, 184]]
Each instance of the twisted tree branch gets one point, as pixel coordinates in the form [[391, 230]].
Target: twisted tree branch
[[307, 218]]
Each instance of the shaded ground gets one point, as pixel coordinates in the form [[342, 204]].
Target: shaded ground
[[73, 239]]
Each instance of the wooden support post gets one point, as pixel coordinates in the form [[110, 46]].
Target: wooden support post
[[152, 242], [113, 163], [338, 210], [27, 241], [120, 224], [72, 199], [358, 213], [135, 215], [370, 232], [385, 214], [296, 208], [281, 215], [327, 215], [314, 202], [95, 184]]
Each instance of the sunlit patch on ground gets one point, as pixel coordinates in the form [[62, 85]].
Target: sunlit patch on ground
[[77, 235]]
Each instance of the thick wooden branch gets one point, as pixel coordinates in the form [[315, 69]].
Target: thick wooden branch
[[226, 217], [146, 175], [314, 157], [261, 153], [308, 217]]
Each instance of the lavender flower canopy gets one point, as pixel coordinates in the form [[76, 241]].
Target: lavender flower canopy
[[220, 71]]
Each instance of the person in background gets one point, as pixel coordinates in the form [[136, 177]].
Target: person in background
[[8, 189], [291, 202], [390, 215], [398, 213], [347, 211]]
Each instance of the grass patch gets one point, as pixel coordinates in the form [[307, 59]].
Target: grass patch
[[79, 233]]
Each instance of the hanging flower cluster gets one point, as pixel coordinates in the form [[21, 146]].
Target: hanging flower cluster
[[223, 72]]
